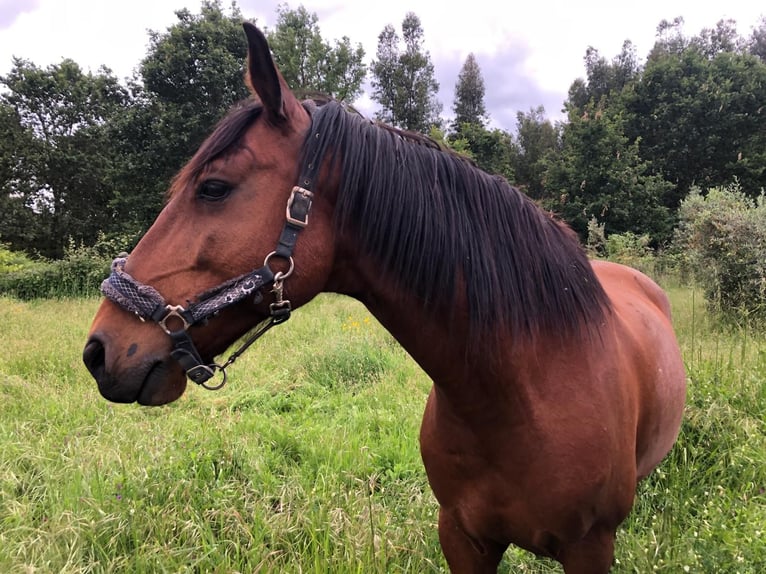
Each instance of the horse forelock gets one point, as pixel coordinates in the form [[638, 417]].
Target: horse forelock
[[446, 229]]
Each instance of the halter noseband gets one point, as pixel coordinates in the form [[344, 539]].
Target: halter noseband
[[147, 303]]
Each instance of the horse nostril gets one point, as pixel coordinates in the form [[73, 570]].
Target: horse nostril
[[94, 358]]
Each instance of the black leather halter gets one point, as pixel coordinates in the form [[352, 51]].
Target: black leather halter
[[149, 305]]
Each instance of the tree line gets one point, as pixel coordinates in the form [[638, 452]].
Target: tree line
[[85, 158]]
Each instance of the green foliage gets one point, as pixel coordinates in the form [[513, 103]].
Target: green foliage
[[190, 77], [700, 119], [197, 63], [723, 237], [604, 80], [595, 241], [308, 62], [600, 174], [12, 261], [625, 248], [756, 44], [56, 160], [634, 251], [469, 105], [490, 149], [83, 154], [536, 140], [78, 274], [404, 83], [693, 113]]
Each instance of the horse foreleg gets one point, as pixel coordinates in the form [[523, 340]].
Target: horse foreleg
[[593, 554], [466, 555]]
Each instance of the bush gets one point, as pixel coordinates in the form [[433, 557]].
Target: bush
[[626, 248], [79, 274], [630, 249], [12, 261], [722, 238]]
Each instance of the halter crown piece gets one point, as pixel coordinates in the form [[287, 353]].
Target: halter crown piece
[[149, 305]]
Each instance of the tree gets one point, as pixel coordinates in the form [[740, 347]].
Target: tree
[[56, 172], [308, 63], [469, 96], [190, 77], [604, 79], [194, 70], [386, 74], [489, 149], [670, 38], [403, 81], [19, 225], [599, 174], [700, 118], [722, 238], [536, 139], [723, 38], [756, 45]]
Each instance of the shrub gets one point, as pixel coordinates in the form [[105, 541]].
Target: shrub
[[79, 274], [12, 261], [630, 249], [596, 241], [722, 238], [626, 248]]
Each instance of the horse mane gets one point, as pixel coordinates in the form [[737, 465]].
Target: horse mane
[[437, 223], [444, 228]]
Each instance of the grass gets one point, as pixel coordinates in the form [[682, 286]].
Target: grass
[[307, 461]]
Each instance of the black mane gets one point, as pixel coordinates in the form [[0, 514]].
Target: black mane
[[441, 226]]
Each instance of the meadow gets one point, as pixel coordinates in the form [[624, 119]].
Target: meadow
[[307, 461]]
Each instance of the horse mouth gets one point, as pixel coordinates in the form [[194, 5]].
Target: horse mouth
[[151, 382], [163, 384]]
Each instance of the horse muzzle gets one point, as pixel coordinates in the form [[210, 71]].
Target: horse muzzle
[[150, 380]]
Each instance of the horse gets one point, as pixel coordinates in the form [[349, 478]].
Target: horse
[[558, 382]]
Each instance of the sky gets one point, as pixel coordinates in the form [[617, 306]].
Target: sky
[[529, 52]]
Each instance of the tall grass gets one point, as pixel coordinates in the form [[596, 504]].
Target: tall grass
[[308, 461]]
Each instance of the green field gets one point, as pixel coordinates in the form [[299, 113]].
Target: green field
[[307, 461]]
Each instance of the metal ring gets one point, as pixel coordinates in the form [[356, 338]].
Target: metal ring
[[282, 276], [220, 369]]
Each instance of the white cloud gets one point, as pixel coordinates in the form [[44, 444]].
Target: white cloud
[[529, 52]]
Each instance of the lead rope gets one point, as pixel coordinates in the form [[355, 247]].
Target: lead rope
[[280, 312]]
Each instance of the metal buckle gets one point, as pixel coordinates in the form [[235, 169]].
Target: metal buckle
[[304, 194], [173, 311], [202, 373]]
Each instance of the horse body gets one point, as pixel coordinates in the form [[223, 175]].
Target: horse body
[[558, 383], [541, 453]]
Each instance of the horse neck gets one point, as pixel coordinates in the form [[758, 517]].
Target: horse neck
[[440, 341]]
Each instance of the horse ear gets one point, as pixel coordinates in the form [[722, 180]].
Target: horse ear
[[264, 78]]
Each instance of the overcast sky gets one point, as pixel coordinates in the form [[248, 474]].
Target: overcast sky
[[529, 52]]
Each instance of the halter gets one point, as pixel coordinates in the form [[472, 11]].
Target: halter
[[147, 303]]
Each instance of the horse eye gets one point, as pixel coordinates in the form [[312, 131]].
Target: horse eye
[[213, 190]]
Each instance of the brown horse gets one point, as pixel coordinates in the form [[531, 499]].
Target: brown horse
[[558, 383]]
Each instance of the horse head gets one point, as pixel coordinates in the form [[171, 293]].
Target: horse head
[[228, 213]]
